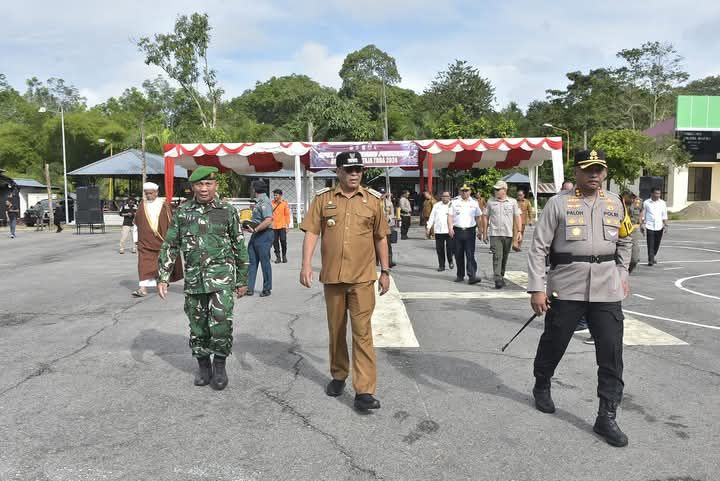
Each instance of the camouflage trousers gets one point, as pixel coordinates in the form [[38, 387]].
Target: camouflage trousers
[[210, 317]]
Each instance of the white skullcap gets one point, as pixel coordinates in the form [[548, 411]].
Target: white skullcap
[[150, 186]]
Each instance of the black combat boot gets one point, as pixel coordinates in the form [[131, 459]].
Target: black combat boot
[[541, 393], [606, 426], [202, 378], [219, 378], [284, 259]]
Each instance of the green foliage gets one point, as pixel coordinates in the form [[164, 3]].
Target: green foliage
[[482, 180], [367, 65], [461, 84], [627, 152], [457, 124], [183, 55]]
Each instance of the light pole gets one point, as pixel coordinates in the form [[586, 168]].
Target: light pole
[[103, 142], [567, 132], [42, 110]]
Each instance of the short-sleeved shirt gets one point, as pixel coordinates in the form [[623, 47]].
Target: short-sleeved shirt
[[12, 212], [262, 210], [574, 225], [348, 228], [500, 216], [464, 212]]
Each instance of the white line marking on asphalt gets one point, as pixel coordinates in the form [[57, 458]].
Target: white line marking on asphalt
[[688, 262], [390, 321], [517, 277], [644, 297], [672, 268], [696, 324], [500, 294], [679, 285], [638, 333], [695, 248]]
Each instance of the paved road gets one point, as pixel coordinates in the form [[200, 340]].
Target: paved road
[[97, 385]]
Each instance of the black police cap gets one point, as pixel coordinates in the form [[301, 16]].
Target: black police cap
[[586, 158], [348, 159]]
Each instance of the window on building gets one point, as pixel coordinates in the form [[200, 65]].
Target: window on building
[[699, 182]]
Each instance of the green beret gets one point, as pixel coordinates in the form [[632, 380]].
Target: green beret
[[204, 173]]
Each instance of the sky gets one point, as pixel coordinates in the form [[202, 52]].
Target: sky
[[523, 47]]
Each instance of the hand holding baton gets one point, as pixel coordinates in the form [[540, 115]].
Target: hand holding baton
[[553, 296]]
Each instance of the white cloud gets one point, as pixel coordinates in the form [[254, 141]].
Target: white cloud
[[524, 47]]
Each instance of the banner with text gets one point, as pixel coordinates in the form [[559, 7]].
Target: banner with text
[[374, 154]]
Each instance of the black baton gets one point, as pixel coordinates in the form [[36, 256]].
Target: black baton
[[552, 296]]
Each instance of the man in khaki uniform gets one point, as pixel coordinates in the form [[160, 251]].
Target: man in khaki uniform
[[352, 223], [585, 233]]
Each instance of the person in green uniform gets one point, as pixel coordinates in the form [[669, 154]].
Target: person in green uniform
[[207, 232]]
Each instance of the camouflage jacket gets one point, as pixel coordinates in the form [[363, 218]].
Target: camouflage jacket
[[208, 235]]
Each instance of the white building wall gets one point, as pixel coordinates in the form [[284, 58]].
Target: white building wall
[[677, 189]]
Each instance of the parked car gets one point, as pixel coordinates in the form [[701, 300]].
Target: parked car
[[39, 211]]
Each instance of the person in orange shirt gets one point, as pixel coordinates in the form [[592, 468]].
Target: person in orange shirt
[[280, 224]]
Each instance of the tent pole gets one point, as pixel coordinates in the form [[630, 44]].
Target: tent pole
[[430, 173], [298, 189], [422, 176]]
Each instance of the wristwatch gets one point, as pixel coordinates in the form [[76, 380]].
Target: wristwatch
[[385, 271]]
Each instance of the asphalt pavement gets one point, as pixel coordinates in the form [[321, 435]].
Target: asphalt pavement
[[97, 385]]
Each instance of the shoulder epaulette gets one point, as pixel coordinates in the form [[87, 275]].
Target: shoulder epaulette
[[322, 191], [374, 192]]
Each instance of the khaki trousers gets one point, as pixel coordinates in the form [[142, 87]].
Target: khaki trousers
[[125, 235], [359, 299]]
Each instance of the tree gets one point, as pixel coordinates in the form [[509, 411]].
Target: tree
[[54, 94], [627, 152], [278, 100], [461, 84], [367, 65], [183, 56], [705, 86], [333, 118], [655, 68]]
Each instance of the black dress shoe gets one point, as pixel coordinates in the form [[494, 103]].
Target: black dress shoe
[[284, 260], [392, 264], [364, 402], [459, 279], [335, 388], [250, 292], [440, 269], [265, 292], [452, 266], [277, 260], [473, 280]]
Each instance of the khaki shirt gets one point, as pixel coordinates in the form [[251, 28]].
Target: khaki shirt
[[526, 210], [501, 216], [348, 230], [576, 225]]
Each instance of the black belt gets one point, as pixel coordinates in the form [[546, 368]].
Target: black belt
[[557, 258], [465, 228]]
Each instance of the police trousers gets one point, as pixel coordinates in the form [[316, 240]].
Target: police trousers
[[210, 317], [605, 321], [465, 251], [359, 300]]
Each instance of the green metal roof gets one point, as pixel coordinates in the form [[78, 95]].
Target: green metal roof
[[698, 112]]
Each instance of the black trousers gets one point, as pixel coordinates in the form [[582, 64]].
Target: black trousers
[[465, 251], [605, 321], [653, 243], [279, 241], [405, 227], [445, 247]]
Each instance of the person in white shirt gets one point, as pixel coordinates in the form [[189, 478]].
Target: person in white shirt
[[653, 223], [463, 219], [502, 223], [438, 222]]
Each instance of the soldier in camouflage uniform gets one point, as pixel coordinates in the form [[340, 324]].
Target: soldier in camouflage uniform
[[207, 233]]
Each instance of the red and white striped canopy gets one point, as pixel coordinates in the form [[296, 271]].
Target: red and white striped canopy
[[247, 158]]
